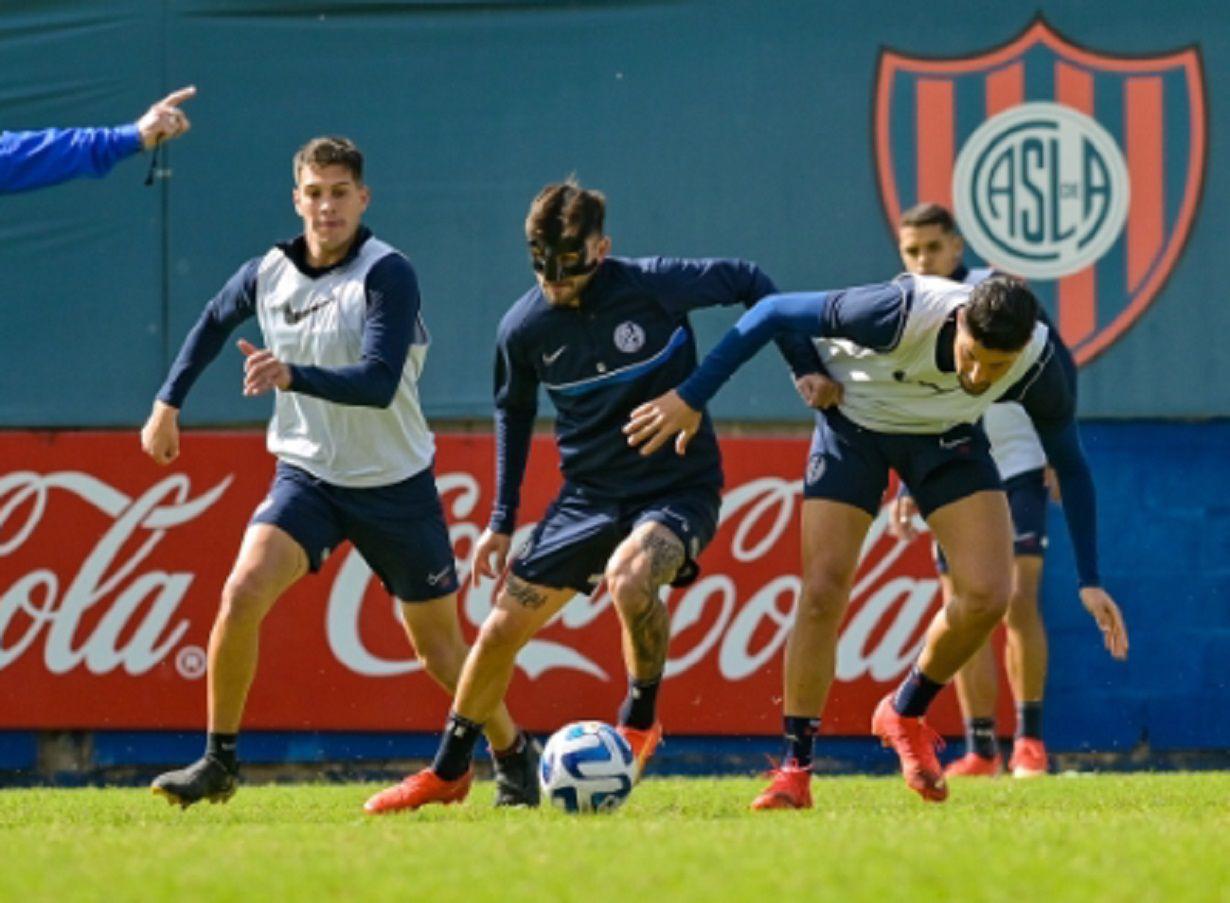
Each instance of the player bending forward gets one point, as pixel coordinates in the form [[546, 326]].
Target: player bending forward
[[914, 364]]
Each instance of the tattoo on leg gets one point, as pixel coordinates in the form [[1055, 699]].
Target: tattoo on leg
[[665, 556], [527, 594], [648, 621], [649, 629]]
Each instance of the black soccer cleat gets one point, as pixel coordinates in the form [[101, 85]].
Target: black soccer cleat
[[205, 779], [516, 776]]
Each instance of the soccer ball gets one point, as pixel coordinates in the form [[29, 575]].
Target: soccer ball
[[586, 767]]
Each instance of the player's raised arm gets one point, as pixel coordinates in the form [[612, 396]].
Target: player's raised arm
[[690, 284], [164, 120], [38, 159]]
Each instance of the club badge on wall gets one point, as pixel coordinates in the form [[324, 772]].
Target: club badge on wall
[[1078, 170]]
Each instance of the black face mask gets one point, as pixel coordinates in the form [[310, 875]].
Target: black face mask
[[548, 258]]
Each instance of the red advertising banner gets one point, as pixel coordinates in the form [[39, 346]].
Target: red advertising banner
[[111, 569]]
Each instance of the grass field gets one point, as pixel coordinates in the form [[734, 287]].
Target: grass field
[[1105, 837]]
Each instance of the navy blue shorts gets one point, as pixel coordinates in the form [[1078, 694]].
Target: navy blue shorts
[[398, 529], [1027, 498], [850, 464], [580, 531]]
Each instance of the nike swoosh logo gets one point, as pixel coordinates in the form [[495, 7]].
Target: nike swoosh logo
[[293, 317], [436, 579], [953, 443], [551, 358]]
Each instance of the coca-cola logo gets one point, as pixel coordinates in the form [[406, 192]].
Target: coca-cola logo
[[139, 627], [716, 616]]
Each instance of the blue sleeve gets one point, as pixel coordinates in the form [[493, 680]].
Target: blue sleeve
[[1048, 394], [1065, 454], [31, 160], [235, 303], [871, 316], [685, 285], [516, 405], [390, 327]]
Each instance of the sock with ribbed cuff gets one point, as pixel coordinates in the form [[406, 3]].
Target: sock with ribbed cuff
[[224, 748], [1029, 720], [456, 747], [980, 737], [515, 748], [915, 694], [799, 733], [640, 706]]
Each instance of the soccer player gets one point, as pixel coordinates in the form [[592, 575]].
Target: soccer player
[[602, 334], [341, 318], [912, 366], [31, 160], [931, 245]]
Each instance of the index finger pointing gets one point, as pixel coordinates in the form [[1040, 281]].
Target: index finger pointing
[[175, 98]]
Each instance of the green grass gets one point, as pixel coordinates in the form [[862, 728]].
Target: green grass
[[1107, 837]]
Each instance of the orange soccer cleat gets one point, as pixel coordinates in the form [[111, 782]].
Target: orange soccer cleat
[[1028, 758], [643, 743], [972, 765], [419, 790], [790, 788], [915, 744]]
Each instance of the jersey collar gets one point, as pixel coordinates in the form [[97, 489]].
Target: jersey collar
[[296, 251]]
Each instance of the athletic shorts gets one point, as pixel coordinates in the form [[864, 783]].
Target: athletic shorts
[[847, 463], [399, 529], [574, 540], [1027, 498]]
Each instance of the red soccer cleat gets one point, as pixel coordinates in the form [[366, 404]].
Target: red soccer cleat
[[420, 790], [972, 765], [790, 788], [1028, 758], [915, 744], [643, 743]]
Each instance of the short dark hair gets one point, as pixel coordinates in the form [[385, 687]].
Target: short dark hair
[[1001, 313], [928, 215], [565, 210], [330, 150]]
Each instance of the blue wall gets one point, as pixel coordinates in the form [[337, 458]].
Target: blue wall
[[726, 128], [1164, 515]]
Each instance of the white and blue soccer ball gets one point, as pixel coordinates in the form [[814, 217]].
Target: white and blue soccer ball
[[586, 767]]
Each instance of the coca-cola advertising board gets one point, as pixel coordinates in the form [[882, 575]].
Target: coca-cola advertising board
[[111, 569]]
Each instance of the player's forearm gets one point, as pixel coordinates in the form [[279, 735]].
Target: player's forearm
[[1065, 455], [369, 384], [514, 431], [794, 314], [31, 160], [388, 328]]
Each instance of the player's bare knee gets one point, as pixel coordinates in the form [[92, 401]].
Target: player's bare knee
[[501, 635], [245, 598], [823, 597], [631, 587], [982, 602], [443, 665]]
